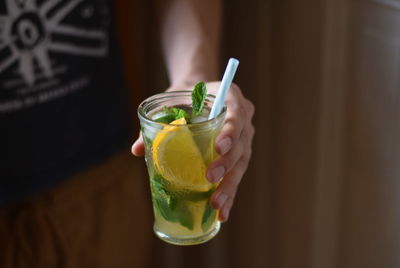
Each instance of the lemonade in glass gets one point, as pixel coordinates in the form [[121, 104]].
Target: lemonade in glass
[[179, 145]]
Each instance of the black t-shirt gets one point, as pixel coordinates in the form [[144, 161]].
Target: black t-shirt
[[63, 104]]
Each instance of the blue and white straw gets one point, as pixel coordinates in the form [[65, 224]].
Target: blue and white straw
[[223, 89]]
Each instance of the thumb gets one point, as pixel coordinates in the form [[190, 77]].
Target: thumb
[[138, 147]]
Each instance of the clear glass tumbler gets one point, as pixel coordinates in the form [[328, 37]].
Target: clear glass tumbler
[[177, 157]]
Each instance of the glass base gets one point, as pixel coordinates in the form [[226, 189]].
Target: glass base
[[188, 240]]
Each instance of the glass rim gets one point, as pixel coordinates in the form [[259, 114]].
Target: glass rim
[[142, 105]]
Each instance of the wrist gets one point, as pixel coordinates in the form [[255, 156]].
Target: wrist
[[188, 84]]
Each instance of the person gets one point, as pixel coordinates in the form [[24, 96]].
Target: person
[[70, 193]]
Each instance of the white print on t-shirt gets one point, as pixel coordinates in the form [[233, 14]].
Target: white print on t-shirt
[[44, 96], [27, 35]]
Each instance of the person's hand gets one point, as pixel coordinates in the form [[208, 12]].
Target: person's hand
[[233, 144]]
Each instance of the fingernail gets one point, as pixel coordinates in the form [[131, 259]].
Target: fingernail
[[224, 145], [225, 213], [215, 174], [220, 200]]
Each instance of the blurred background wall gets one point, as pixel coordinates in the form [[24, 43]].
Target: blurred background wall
[[323, 187]]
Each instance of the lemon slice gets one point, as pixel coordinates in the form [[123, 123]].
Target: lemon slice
[[178, 159]]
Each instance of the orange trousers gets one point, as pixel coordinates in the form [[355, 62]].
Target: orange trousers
[[100, 218]]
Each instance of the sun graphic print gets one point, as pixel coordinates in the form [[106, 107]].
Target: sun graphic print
[[30, 31]]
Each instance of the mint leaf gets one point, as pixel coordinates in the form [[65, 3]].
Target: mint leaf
[[167, 115], [158, 188], [162, 204], [157, 178], [179, 113], [166, 119], [198, 97], [208, 217], [168, 204], [162, 207], [162, 200], [183, 215]]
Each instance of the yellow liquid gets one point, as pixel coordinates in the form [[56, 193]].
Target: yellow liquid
[[180, 190], [180, 234], [177, 229], [182, 217]]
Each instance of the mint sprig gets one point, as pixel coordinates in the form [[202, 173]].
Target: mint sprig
[[169, 114], [199, 94], [173, 206], [168, 205], [179, 113]]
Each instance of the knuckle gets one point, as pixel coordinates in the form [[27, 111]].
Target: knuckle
[[229, 187], [229, 204], [233, 130], [245, 159], [230, 131], [231, 181], [234, 178], [231, 201], [251, 108], [225, 164], [243, 112], [232, 188], [249, 155], [235, 107], [248, 152], [252, 130], [235, 87], [230, 160]]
